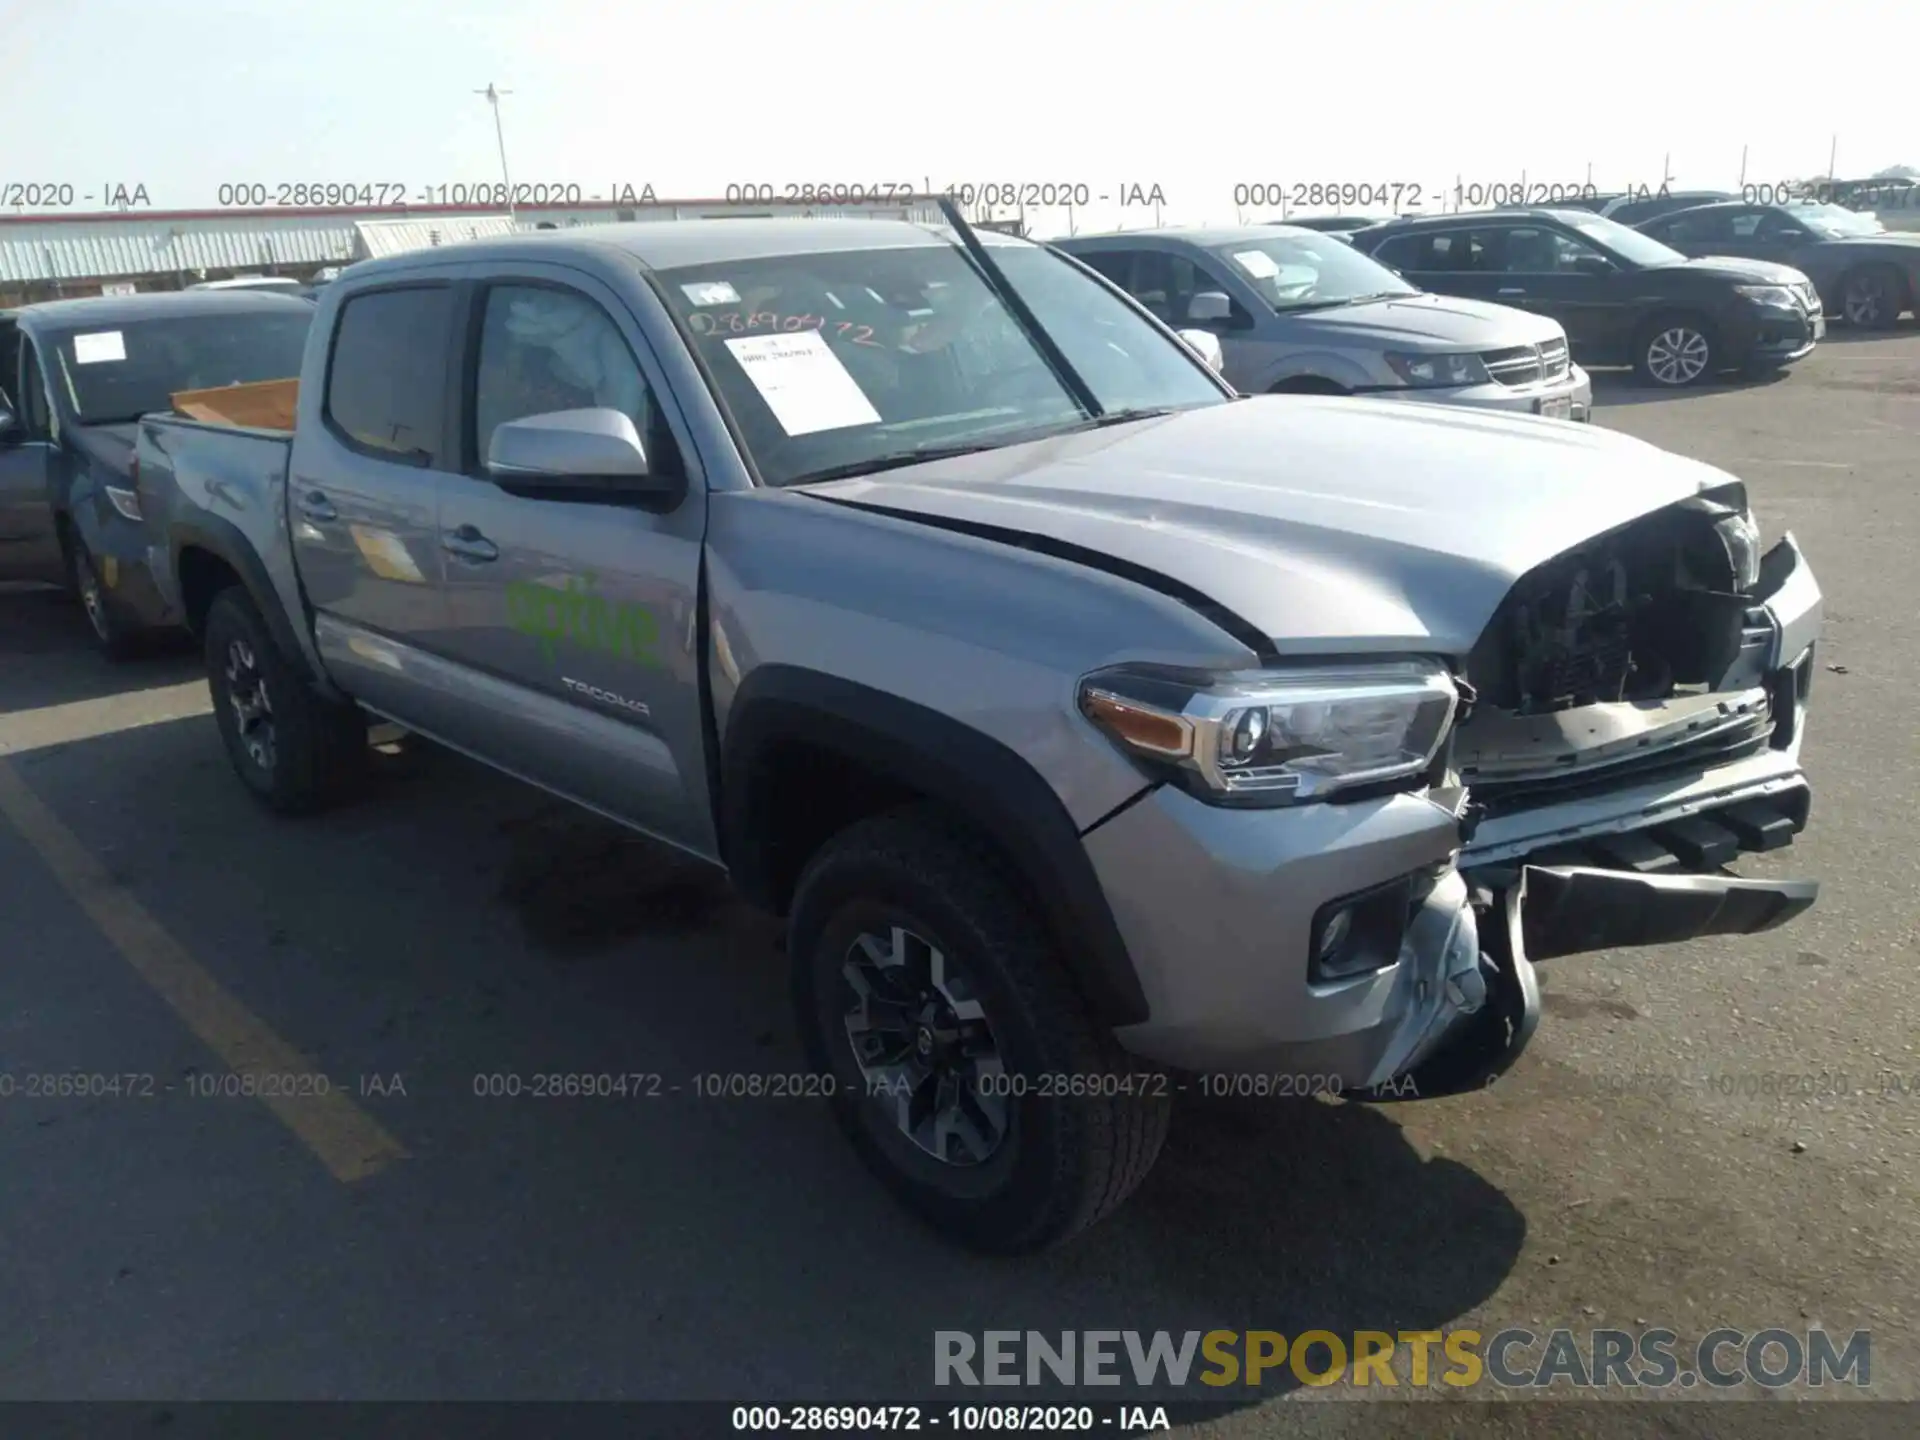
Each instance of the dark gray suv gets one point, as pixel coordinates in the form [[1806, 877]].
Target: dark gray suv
[[1300, 311]]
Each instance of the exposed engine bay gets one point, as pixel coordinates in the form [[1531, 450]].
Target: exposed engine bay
[[1637, 643]]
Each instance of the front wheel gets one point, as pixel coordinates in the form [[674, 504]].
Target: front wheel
[[1675, 351], [965, 1066], [295, 749]]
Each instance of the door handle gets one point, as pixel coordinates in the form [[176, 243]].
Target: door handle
[[469, 544], [1513, 290], [315, 506]]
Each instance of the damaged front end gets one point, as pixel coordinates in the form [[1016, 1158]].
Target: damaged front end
[[1635, 727]]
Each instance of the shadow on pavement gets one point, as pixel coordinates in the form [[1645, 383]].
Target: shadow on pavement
[[48, 658], [1614, 388], [452, 925]]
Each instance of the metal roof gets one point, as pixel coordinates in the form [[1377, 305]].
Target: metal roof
[[44, 248], [393, 237], [56, 250]]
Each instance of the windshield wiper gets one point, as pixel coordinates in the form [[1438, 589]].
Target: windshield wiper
[[873, 465], [1345, 300], [1111, 417]]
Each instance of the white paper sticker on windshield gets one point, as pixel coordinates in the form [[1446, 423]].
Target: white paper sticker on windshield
[[710, 292], [101, 345], [803, 382], [1256, 263]]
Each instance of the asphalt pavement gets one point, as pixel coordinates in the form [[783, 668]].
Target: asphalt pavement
[[385, 1228]]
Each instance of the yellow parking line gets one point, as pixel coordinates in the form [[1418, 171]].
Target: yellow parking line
[[104, 715], [348, 1141]]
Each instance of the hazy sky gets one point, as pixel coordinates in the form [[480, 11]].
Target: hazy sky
[[1195, 96]]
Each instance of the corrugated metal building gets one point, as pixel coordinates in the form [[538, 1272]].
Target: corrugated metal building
[[44, 257]]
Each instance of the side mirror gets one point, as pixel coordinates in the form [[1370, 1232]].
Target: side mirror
[[1207, 344], [573, 454], [1208, 307], [10, 431], [1594, 265]]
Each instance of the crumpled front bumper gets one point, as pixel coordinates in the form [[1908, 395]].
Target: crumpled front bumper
[[1218, 906], [1553, 911]]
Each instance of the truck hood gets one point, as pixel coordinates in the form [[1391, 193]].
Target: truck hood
[[1426, 322], [1331, 524]]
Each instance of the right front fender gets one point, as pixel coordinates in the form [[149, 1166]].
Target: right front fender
[[921, 750]]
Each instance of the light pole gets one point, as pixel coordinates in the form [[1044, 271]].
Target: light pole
[[493, 98]]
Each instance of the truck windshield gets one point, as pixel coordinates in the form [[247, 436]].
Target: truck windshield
[[842, 359], [113, 374], [1310, 272]]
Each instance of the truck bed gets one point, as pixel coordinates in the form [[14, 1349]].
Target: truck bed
[[192, 472]]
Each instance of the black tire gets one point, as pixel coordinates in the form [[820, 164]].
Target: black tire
[[1873, 297], [1668, 348], [114, 635], [1062, 1162], [315, 748]]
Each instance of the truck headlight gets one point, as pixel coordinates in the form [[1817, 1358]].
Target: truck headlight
[[1433, 371], [1740, 536], [1276, 737]]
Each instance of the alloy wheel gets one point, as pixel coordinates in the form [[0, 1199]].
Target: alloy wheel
[[1677, 355], [1867, 300], [924, 1046], [252, 706]]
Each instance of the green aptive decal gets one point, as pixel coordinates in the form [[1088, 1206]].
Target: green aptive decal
[[577, 616]]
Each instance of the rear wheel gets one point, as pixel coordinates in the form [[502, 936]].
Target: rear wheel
[[965, 1066], [295, 749], [1873, 296], [1674, 351], [116, 637]]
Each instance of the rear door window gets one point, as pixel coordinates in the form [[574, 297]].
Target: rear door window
[[387, 377]]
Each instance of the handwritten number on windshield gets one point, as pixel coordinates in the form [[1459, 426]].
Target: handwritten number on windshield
[[765, 322]]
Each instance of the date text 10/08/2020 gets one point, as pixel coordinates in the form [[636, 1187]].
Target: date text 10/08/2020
[[995, 194], [388, 194], [1398, 195]]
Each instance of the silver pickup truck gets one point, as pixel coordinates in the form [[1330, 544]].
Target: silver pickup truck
[[1094, 728]]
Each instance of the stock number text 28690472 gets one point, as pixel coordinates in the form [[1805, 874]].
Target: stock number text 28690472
[[328, 194]]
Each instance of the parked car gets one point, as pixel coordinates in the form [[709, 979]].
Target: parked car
[[1623, 297], [1597, 203], [1862, 272], [1331, 224], [1090, 724], [1297, 311], [75, 376], [1634, 207]]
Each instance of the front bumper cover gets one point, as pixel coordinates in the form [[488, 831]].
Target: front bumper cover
[[1558, 910]]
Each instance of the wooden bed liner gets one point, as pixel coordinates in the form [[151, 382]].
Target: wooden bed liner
[[262, 405]]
